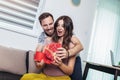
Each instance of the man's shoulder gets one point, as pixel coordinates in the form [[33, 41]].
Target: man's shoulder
[[41, 37], [42, 34]]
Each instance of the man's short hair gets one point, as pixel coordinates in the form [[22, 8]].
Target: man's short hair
[[45, 15]]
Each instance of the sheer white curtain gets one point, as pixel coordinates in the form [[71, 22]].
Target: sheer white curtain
[[104, 36]]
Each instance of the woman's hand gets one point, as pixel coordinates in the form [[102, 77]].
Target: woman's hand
[[39, 64], [57, 61]]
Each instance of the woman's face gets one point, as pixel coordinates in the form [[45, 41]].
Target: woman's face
[[60, 28]]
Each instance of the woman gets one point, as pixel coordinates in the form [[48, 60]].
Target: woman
[[59, 69]]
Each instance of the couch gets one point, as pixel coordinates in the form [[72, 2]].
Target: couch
[[15, 62]]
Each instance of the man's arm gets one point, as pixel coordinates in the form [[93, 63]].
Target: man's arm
[[78, 47], [63, 53]]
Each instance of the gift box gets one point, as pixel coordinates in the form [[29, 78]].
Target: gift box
[[53, 46], [47, 54]]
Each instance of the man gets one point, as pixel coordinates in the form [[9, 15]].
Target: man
[[47, 23]]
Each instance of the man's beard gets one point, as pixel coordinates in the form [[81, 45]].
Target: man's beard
[[49, 34]]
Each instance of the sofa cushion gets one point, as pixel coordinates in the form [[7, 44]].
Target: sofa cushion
[[12, 60]]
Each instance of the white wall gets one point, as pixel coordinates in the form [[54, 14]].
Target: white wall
[[82, 16], [16, 40]]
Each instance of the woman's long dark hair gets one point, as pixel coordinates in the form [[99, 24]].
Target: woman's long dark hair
[[68, 26]]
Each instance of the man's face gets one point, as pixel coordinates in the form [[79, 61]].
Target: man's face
[[48, 25]]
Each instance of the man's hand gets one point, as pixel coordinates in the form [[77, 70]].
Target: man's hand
[[62, 53]]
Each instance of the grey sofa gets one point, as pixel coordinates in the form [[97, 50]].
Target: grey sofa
[[15, 62]]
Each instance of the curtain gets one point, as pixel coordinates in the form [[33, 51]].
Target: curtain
[[105, 37]]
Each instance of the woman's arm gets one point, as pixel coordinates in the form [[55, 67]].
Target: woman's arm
[[67, 69], [39, 64], [39, 47]]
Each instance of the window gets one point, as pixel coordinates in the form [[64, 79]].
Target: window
[[105, 37], [19, 15]]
